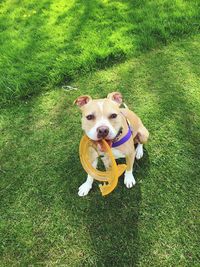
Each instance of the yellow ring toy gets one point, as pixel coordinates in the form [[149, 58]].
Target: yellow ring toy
[[109, 177]]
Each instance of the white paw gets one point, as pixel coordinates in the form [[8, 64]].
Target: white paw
[[129, 180], [139, 151], [84, 189]]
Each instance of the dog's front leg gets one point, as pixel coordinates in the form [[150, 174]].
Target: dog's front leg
[[129, 179], [85, 187]]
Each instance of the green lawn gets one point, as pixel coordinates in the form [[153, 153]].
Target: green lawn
[[45, 223], [48, 43]]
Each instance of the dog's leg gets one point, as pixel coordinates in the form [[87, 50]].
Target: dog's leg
[[106, 161], [143, 134], [142, 138], [129, 179], [85, 187], [139, 151]]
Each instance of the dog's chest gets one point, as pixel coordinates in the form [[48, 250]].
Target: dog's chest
[[117, 153]]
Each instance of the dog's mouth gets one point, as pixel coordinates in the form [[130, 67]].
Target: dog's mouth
[[101, 146]]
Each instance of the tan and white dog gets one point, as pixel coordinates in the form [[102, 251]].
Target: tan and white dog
[[104, 119]]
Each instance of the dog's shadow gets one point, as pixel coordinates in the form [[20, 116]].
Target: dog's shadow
[[113, 221]]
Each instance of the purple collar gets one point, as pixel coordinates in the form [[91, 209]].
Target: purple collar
[[124, 139]]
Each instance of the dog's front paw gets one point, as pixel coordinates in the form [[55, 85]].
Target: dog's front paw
[[129, 180], [84, 189], [139, 151]]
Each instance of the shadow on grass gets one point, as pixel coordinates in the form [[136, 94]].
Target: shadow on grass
[[175, 81], [113, 221], [161, 22], [177, 103]]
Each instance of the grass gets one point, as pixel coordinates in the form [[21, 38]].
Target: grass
[[48, 43], [44, 222]]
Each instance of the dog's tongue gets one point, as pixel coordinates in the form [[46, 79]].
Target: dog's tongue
[[101, 147]]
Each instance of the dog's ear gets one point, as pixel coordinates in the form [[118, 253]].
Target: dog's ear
[[82, 100], [116, 97]]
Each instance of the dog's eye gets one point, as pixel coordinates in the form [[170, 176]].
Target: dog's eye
[[90, 117], [113, 116]]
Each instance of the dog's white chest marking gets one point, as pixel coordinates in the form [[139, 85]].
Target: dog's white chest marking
[[117, 153]]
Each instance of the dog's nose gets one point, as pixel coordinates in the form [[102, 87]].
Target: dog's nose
[[102, 131]]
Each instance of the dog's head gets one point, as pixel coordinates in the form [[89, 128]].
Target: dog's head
[[101, 118]]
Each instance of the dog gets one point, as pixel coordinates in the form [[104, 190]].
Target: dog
[[119, 126]]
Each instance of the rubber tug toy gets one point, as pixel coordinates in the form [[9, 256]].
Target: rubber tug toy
[[110, 176]]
